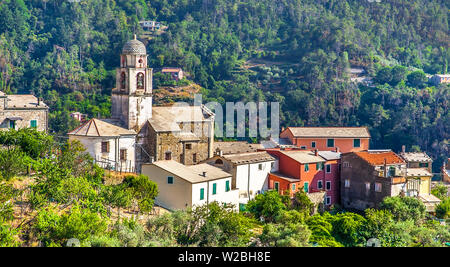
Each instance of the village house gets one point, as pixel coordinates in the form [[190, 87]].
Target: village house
[[313, 172], [367, 177], [446, 171], [181, 133], [150, 25], [78, 116], [417, 159], [23, 111], [418, 184], [249, 170], [182, 186], [176, 73], [111, 146], [440, 78], [347, 139]]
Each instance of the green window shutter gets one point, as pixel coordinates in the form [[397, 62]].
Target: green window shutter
[[293, 187], [12, 124], [227, 186], [356, 142], [33, 124], [202, 193], [313, 144], [170, 180], [214, 188], [330, 142], [277, 186], [318, 166], [306, 167], [305, 186]]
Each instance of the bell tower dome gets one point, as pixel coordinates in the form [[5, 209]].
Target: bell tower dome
[[131, 100]]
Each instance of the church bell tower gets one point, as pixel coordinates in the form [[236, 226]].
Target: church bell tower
[[131, 100]]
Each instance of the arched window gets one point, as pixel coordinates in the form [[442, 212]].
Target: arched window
[[123, 81], [219, 162], [140, 81]]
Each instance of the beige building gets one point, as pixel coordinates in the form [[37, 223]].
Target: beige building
[[417, 160], [22, 111], [182, 186]]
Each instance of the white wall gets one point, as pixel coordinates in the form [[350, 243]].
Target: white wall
[[93, 146], [230, 197], [258, 179]]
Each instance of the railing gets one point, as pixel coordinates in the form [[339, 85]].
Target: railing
[[117, 166]]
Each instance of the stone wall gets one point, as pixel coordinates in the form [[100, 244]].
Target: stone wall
[[27, 115]]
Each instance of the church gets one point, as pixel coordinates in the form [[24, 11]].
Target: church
[[139, 133]]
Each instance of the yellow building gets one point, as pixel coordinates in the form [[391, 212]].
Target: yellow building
[[419, 185]]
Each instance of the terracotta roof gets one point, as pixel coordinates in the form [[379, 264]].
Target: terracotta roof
[[330, 132], [285, 177], [194, 173], [96, 127], [252, 157], [303, 156], [416, 157], [228, 148], [380, 157], [166, 69]]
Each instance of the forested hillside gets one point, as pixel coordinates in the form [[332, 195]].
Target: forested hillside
[[297, 52]]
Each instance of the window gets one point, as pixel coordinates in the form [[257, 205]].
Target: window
[[303, 147], [140, 80], [214, 188], [168, 155], [327, 200], [328, 168], [12, 124], [391, 171], [305, 187], [293, 187], [377, 187], [105, 147], [227, 186], [306, 167], [367, 186], [330, 142], [218, 162], [188, 146], [170, 179], [271, 165], [202, 193], [319, 184], [356, 142], [123, 154], [122, 81], [194, 157], [276, 185], [347, 183], [346, 164], [313, 144], [423, 165], [260, 166], [33, 123], [328, 185]]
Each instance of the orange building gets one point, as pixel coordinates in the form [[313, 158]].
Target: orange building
[[344, 139], [308, 171]]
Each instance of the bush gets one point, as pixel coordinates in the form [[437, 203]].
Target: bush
[[443, 209]]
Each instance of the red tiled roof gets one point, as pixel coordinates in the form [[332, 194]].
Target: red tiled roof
[[378, 158]]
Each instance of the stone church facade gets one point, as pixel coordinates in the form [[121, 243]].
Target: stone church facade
[[181, 133]]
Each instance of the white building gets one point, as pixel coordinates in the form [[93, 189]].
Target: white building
[[249, 170], [182, 186], [111, 146]]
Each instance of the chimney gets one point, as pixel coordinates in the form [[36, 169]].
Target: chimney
[[220, 153], [151, 159], [39, 101], [337, 149], [385, 168], [316, 152], [403, 148], [204, 174]]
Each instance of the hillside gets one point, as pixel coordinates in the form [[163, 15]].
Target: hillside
[[66, 52]]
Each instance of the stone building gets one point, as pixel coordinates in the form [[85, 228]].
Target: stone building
[[367, 177], [181, 133], [22, 111]]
